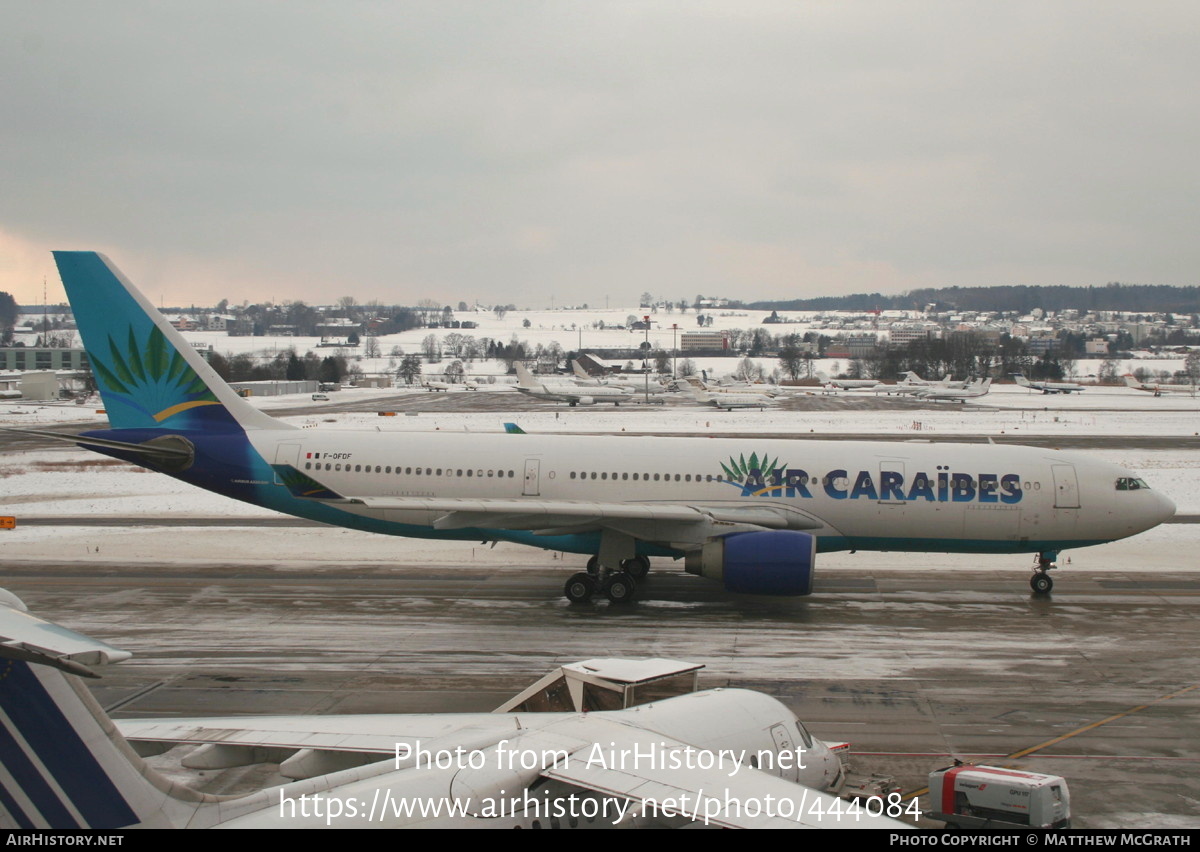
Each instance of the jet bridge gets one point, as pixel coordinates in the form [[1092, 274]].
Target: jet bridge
[[605, 684]]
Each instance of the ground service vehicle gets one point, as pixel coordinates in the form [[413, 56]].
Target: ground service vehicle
[[991, 797]]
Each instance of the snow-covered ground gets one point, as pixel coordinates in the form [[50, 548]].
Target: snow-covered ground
[[578, 329]]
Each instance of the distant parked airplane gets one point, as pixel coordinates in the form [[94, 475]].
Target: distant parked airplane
[[731, 401], [977, 388], [572, 395], [625, 382], [1049, 387], [1157, 388], [913, 378]]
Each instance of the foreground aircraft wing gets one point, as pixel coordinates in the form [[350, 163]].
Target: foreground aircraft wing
[[365, 734], [602, 753], [26, 637], [657, 773]]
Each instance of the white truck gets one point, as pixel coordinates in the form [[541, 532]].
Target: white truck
[[967, 796]]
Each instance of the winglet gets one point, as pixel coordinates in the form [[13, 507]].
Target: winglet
[[513, 429]]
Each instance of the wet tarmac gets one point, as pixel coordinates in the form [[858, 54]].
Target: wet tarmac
[[913, 668]]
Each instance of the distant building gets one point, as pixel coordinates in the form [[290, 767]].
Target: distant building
[[336, 327], [902, 335], [273, 388], [376, 381], [1038, 346], [28, 358], [594, 365], [182, 323], [853, 346], [704, 341], [39, 385]]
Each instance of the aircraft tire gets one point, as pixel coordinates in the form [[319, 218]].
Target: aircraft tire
[[580, 588], [620, 588], [593, 566], [1041, 583], [637, 567]]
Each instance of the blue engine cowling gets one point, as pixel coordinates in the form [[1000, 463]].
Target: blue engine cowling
[[776, 562]]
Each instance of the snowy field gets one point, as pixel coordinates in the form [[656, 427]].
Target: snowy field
[[579, 329]]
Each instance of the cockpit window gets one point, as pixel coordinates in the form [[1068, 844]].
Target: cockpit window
[[1131, 483], [805, 736]]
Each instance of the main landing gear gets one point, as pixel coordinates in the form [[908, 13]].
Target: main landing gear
[[618, 586], [1041, 582]]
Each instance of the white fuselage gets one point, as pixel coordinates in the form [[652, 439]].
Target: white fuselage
[[854, 494]]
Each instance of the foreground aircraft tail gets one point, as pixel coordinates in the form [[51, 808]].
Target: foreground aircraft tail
[[147, 374], [65, 765]]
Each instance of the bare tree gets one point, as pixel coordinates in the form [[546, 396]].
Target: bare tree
[[433, 352], [748, 371], [1191, 366], [454, 372], [791, 356], [410, 369]]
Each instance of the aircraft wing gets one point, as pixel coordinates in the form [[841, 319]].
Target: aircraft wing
[[679, 522], [26, 637], [362, 734], [668, 776], [659, 776]]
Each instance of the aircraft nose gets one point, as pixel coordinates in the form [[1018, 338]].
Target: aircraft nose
[[1164, 508]]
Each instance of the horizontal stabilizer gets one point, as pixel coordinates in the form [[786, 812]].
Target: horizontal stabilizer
[[150, 450]]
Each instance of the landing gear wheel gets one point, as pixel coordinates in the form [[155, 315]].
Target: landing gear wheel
[[1041, 583], [637, 567], [593, 566], [619, 588], [580, 588]]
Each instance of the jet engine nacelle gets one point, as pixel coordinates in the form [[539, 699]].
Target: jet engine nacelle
[[587, 400], [775, 562]]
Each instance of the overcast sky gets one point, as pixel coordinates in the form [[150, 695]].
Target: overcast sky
[[524, 151]]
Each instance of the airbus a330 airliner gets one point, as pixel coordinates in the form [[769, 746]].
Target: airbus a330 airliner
[[751, 513]]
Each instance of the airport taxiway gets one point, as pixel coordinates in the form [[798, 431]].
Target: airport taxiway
[[912, 666]]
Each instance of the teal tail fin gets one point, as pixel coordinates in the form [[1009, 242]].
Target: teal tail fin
[[148, 375]]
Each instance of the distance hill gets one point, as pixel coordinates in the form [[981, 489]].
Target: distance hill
[[1137, 298]]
